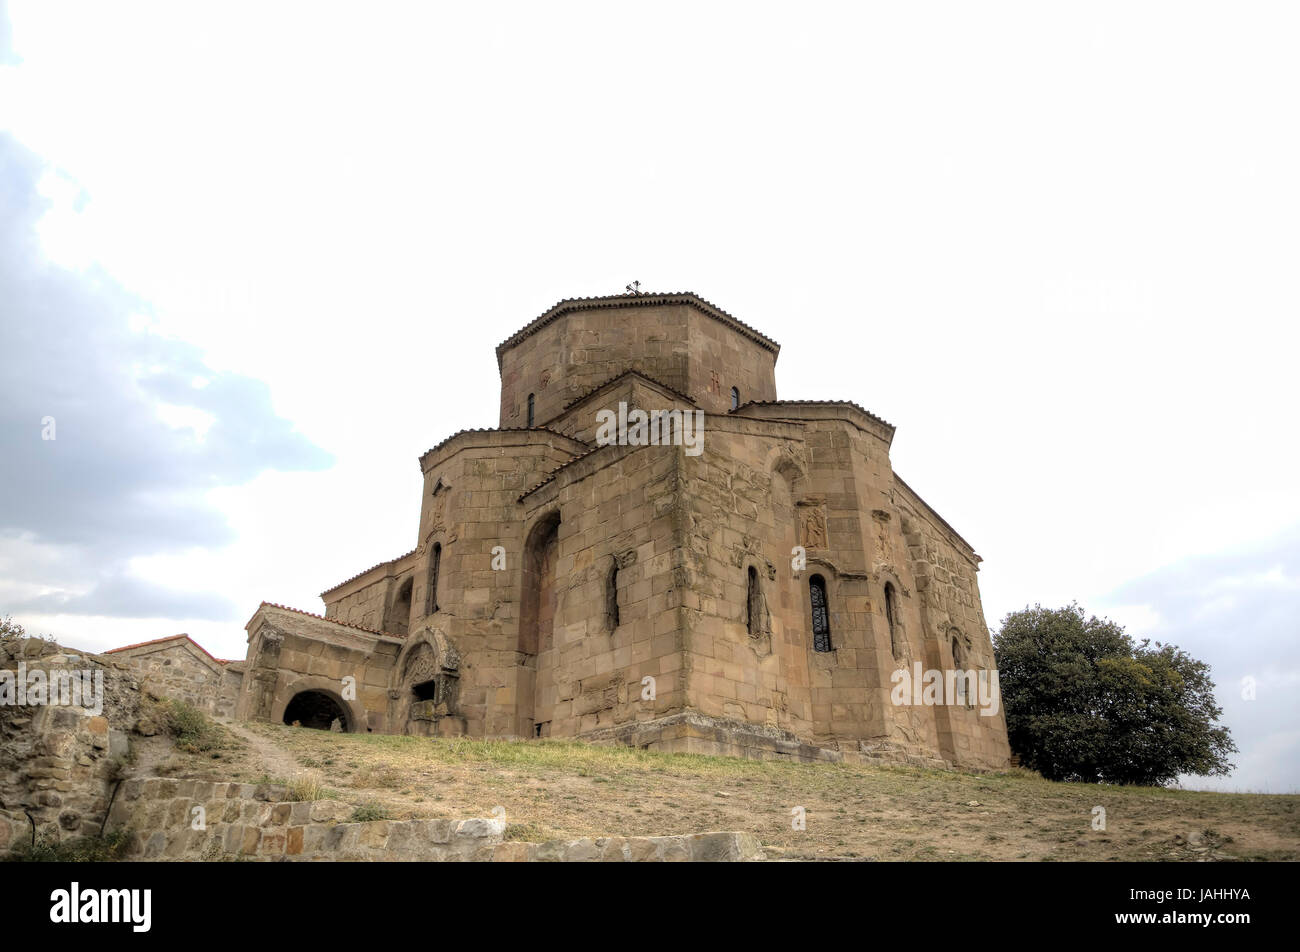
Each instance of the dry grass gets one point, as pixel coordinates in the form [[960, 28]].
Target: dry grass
[[557, 788]]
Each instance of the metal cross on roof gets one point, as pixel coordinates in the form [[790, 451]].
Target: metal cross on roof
[[634, 287]]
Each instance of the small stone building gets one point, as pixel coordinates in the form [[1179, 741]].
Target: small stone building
[[178, 667], [751, 593]]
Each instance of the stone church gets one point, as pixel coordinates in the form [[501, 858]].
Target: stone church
[[752, 595]]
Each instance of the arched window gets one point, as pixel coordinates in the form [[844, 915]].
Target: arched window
[[821, 616], [753, 602], [431, 596], [891, 618], [531, 401], [963, 685], [735, 399], [611, 595], [399, 612]]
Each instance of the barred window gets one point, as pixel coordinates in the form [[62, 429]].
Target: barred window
[[735, 398], [530, 409], [821, 619]]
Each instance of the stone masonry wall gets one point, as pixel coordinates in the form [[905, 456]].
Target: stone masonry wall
[[292, 652], [178, 669], [721, 359], [618, 508], [576, 352], [255, 822], [668, 340], [950, 607], [56, 761]]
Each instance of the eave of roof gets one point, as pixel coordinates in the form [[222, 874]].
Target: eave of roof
[[332, 621], [829, 403], [494, 429], [569, 305]]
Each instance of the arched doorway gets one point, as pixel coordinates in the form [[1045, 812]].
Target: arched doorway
[[317, 710], [425, 686], [537, 629]]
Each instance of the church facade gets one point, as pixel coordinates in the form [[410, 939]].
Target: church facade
[[653, 549]]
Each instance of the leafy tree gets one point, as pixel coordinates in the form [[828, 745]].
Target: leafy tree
[[10, 629], [1085, 702]]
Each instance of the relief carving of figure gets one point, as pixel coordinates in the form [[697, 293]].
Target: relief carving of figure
[[813, 519]]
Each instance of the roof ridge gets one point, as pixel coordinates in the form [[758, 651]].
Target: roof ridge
[[556, 472], [362, 572], [158, 641], [618, 376]]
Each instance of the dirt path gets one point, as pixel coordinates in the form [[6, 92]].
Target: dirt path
[[265, 755]]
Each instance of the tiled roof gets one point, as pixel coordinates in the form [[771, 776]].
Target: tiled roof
[[635, 300], [644, 376], [845, 403], [494, 429], [359, 574], [332, 621], [158, 641]]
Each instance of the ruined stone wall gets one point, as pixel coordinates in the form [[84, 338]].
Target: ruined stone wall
[[56, 761]]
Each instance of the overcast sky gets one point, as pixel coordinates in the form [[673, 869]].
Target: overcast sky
[[254, 259]]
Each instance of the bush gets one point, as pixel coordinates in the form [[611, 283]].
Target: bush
[[193, 731]]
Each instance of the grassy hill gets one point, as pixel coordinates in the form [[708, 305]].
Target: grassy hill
[[559, 789]]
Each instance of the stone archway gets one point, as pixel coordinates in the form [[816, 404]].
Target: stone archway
[[317, 710], [354, 719], [536, 694]]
